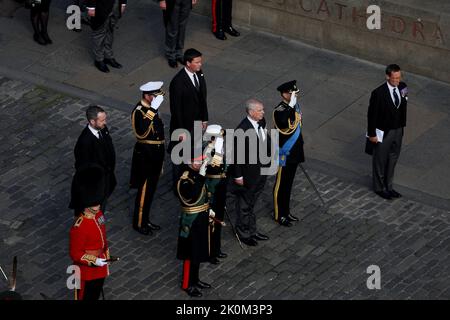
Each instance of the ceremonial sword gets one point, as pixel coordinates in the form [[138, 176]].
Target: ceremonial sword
[[234, 230], [312, 183], [14, 274], [4, 274]]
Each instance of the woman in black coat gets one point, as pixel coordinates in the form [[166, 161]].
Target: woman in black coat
[[39, 21]]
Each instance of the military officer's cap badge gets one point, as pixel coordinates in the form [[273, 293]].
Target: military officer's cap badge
[[153, 87], [290, 87]]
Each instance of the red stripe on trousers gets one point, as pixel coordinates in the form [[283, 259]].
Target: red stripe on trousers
[[214, 16], [186, 269]]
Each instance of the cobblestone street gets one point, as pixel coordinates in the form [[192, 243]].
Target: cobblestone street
[[324, 256]]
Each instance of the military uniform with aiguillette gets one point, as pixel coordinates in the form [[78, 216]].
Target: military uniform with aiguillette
[[288, 121], [148, 158]]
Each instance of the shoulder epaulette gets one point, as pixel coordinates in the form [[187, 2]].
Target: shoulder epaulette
[[185, 175], [78, 222], [280, 107]]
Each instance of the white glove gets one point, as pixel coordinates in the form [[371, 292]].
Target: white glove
[[218, 145], [293, 101], [100, 262], [156, 102], [212, 214]]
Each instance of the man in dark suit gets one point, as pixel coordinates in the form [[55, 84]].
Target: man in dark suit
[[387, 113], [104, 16], [251, 141], [287, 118], [187, 100], [175, 15], [94, 147]]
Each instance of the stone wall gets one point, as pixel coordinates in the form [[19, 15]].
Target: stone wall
[[416, 37]]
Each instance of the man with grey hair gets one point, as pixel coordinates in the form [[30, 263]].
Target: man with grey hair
[[248, 183]]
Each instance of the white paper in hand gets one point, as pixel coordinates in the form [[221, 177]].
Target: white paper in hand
[[380, 135]]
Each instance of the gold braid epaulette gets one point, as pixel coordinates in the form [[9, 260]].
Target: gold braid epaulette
[[291, 126], [149, 115]]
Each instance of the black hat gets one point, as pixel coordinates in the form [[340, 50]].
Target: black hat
[[91, 186], [289, 87]]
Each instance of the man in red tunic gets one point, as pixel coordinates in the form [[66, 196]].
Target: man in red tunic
[[88, 244]]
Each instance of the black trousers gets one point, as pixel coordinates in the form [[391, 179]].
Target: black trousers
[[220, 197], [384, 159], [221, 14], [282, 190], [90, 290], [146, 192], [245, 200]]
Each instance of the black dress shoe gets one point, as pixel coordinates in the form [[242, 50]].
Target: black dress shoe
[[193, 292], [292, 218], [143, 230], [285, 222], [394, 194], [172, 63], [101, 66], [249, 241], [38, 38], [203, 285], [222, 255], [214, 260], [46, 38], [220, 35], [232, 31], [260, 236], [384, 195], [153, 226], [113, 63]]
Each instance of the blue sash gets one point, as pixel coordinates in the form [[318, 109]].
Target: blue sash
[[286, 149]]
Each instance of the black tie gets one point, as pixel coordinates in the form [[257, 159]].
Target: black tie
[[396, 99], [100, 136], [196, 82]]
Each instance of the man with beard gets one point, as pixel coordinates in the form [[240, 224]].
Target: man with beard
[[94, 147]]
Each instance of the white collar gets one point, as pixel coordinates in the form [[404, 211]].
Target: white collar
[[253, 122], [391, 87], [94, 131], [191, 74]]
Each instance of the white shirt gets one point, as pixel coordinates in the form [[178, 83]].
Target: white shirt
[[256, 125], [262, 131], [94, 131], [391, 91], [191, 76]]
